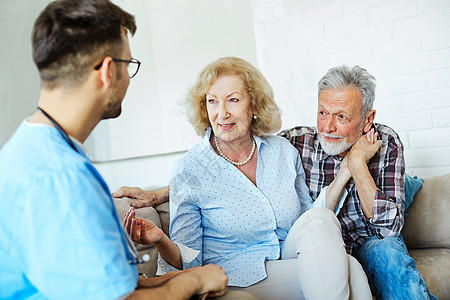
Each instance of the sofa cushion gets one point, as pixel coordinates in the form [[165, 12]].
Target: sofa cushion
[[434, 265], [427, 223]]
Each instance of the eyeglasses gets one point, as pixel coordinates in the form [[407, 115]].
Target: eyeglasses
[[133, 65]]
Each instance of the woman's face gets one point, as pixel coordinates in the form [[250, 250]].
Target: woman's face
[[229, 109]]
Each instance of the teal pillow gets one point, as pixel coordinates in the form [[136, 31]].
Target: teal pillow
[[412, 186]]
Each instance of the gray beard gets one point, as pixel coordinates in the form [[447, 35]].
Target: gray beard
[[334, 148]]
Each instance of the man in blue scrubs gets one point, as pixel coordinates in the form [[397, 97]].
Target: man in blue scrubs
[[60, 237]]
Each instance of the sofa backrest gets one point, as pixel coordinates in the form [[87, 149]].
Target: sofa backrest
[[428, 222]]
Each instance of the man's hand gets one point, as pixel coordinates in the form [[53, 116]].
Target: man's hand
[[343, 168], [363, 150], [141, 230], [205, 281], [143, 198], [212, 278]]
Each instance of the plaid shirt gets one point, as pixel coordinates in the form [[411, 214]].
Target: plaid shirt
[[387, 168]]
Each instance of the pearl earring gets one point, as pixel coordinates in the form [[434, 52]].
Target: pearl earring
[[255, 117]]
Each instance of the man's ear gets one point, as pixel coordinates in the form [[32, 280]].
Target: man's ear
[[368, 120], [105, 72]]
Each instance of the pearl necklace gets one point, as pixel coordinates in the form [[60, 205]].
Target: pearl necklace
[[231, 161]]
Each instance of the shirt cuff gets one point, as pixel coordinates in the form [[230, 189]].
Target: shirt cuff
[[187, 255], [384, 209], [320, 201]]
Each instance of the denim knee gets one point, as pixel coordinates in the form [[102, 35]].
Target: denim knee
[[391, 271], [387, 252]]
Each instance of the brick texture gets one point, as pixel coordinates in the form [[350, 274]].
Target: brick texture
[[405, 44]]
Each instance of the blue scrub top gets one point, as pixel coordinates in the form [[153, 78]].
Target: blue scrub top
[[60, 236]]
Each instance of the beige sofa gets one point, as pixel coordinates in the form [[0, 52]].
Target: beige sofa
[[426, 233]]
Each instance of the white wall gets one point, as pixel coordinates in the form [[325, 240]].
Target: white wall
[[404, 44], [19, 79], [174, 40], [145, 172]]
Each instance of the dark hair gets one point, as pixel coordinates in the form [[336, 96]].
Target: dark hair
[[69, 36]]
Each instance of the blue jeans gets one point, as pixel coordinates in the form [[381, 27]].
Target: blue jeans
[[391, 272]]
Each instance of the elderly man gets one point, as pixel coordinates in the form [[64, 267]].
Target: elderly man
[[365, 160], [60, 236]]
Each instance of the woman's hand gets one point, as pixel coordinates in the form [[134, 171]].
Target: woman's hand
[[372, 136], [141, 230]]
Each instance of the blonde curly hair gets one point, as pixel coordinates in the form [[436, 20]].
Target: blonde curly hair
[[268, 119]]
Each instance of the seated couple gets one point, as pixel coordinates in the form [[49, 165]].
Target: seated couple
[[265, 211]]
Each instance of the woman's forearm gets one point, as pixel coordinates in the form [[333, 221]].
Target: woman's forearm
[[335, 189], [169, 252]]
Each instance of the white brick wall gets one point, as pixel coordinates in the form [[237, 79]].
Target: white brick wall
[[405, 44]]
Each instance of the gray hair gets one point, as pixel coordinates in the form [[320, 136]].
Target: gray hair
[[342, 76]]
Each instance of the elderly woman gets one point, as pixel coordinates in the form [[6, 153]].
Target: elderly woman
[[238, 198]]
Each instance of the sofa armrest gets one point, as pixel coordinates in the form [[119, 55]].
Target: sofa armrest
[[428, 223]]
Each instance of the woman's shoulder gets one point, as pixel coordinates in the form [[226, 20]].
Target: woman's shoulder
[[192, 158], [280, 143]]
